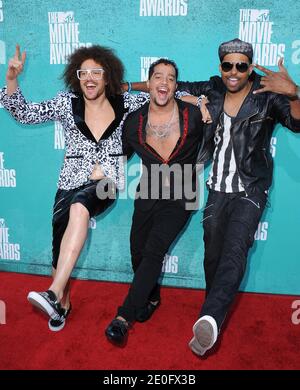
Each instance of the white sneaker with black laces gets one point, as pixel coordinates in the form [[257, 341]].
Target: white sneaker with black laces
[[47, 302], [58, 324], [205, 332]]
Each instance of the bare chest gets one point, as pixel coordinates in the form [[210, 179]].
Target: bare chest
[[163, 139], [232, 108], [99, 122]]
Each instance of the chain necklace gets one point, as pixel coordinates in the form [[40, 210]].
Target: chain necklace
[[163, 130]]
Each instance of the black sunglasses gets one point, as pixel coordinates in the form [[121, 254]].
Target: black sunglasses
[[241, 67]]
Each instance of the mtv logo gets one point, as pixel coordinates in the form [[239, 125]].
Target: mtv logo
[[260, 15], [65, 17], [2, 53]]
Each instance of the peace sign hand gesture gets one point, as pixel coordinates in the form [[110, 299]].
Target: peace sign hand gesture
[[16, 64], [278, 82]]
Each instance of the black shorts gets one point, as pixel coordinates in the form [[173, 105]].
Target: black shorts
[[87, 196]]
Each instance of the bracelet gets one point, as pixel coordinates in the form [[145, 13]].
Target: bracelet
[[199, 100], [129, 86], [297, 94]]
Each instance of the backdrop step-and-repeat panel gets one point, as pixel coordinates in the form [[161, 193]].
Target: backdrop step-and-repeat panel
[[140, 31]]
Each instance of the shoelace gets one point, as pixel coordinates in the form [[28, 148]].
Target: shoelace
[[57, 317]]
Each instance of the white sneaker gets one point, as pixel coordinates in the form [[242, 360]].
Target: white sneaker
[[47, 302], [205, 335]]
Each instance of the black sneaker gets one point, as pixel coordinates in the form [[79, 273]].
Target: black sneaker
[[47, 302], [117, 332], [59, 324]]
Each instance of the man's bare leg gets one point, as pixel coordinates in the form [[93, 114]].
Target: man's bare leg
[[70, 248]]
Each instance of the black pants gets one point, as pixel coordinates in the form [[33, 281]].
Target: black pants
[[152, 233], [87, 196], [230, 222]]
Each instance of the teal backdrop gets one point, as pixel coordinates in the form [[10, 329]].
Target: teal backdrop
[[187, 31]]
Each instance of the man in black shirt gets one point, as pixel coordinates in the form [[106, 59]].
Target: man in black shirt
[[166, 134], [245, 107]]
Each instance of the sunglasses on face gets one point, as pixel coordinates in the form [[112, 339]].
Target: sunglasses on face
[[241, 67]]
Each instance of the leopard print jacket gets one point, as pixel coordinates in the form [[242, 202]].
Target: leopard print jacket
[[82, 151]]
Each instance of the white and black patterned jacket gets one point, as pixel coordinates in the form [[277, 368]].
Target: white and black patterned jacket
[[82, 150]]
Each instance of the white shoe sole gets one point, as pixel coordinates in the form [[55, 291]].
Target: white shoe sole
[[56, 328], [42, 304], [205, 335]]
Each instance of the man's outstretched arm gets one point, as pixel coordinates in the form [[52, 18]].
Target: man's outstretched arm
[[195, 88], [135, 86]]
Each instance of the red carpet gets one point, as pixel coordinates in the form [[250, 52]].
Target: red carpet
[[259, 335]]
